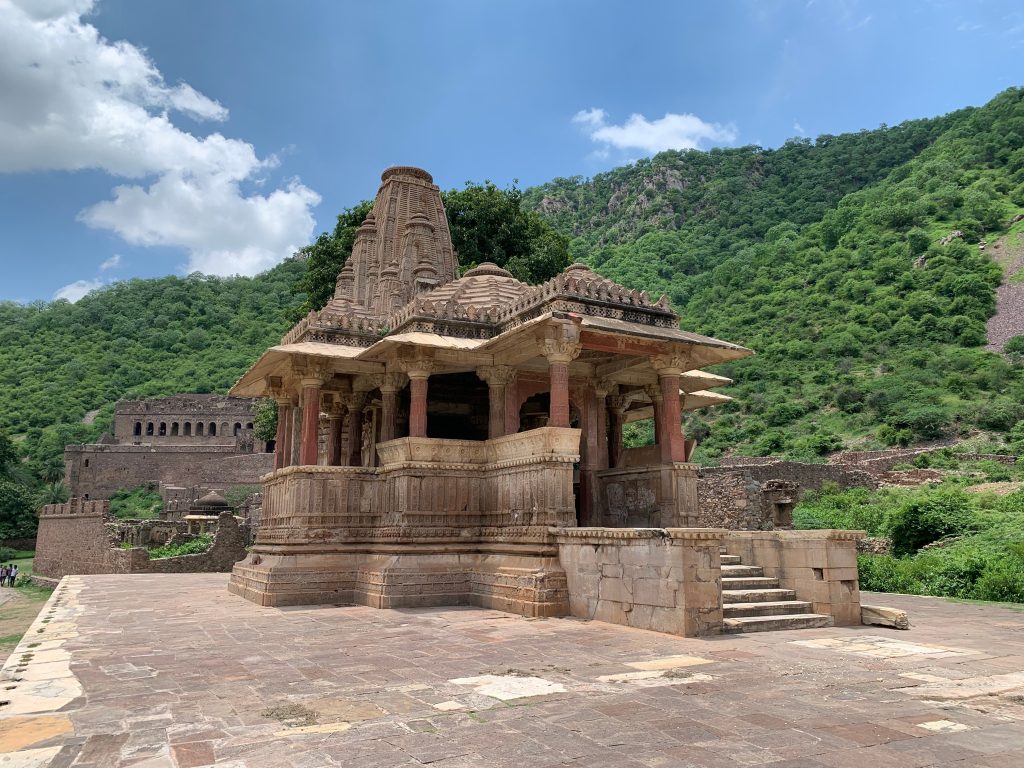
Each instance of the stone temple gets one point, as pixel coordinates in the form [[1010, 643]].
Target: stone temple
[[474, 449]]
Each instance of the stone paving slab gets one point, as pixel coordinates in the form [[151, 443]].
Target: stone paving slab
[[171, 671]]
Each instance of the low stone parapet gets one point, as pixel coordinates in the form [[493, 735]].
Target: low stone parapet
[[666, 580], [820, 566]]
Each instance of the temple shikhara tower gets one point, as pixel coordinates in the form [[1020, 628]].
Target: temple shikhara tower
[[456, 440]]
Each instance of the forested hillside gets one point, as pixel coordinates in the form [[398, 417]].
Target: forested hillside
[[59, 361], [828, 259]]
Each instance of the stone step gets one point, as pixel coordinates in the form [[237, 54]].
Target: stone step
[[749, 582], [756, 595], [730, 559], [737, 571], [771, 623], [765, 608]]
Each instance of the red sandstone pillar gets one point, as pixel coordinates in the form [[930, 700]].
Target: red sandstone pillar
[[560, 345], [558, 415], [674, 448], [282, 444], [418, 404], [308, 451], [668, 419]]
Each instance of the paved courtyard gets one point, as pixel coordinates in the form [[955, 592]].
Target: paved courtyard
[[171, 670]]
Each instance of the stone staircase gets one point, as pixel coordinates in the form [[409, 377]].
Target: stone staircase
[[751, 602]]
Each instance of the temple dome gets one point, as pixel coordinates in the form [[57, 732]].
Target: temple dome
[[487, 285]]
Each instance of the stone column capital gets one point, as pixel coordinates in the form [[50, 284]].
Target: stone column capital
[[618, 404], [419, 366], [653, 392], [671, 363], [560, 342], [497, 375], [389, 382]]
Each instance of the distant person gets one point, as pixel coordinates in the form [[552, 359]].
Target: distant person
[[14, 574], [5, 572]]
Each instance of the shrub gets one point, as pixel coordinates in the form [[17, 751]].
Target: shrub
[[7, 554], [197, 546], [929, 517]]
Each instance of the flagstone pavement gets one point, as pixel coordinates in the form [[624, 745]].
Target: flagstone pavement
[[172, 671]]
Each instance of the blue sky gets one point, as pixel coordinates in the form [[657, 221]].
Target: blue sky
[[148, 138]]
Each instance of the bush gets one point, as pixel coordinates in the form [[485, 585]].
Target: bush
[[7, 554], [197, 546], [142, 503], [929, 517]]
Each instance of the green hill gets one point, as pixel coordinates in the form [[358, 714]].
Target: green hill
[[823, 256], [826, 259]]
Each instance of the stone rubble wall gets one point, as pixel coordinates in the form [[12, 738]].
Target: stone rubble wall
[[80, 537]]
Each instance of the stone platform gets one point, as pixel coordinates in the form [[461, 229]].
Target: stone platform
[[170, 670]]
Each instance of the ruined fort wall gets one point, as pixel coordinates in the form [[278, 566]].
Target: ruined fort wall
[[80, 537], [97, 471], [73, 538]]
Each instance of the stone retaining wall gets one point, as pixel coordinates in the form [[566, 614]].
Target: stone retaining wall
[[666, 580]]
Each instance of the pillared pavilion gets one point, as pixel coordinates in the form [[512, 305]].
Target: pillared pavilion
[[436, 432]]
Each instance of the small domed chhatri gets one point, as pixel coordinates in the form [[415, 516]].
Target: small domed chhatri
[[429, 425]]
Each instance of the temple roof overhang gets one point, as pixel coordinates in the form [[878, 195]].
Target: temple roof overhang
[[612, 350]]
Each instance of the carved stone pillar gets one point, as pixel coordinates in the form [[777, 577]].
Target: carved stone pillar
[[390, 384], [282, 440], [308, 452], [418, 403], [498, 378], [354, 427], [560, 346], [654, 392], [601, 391], [295, 432], [670, 368], [617, 414], [335, 421]]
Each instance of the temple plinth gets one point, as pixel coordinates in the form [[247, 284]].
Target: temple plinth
[[438, 434]]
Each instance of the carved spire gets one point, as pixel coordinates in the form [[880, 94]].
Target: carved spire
[[403, 247]]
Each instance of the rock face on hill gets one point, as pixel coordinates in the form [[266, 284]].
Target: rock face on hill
[[1008, 321]]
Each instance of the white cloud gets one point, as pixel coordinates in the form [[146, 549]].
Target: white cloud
[[73, 100], [76, 290], [673, 131], [111, 263], [799, 128]]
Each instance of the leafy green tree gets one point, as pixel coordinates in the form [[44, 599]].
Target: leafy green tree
[[8, 456], [17, 512], [264, 419], [488, 223]]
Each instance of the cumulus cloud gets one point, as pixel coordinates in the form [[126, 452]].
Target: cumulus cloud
[[76, 290], [73, 100], [673, 131], [112, 263], [799, 128]]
